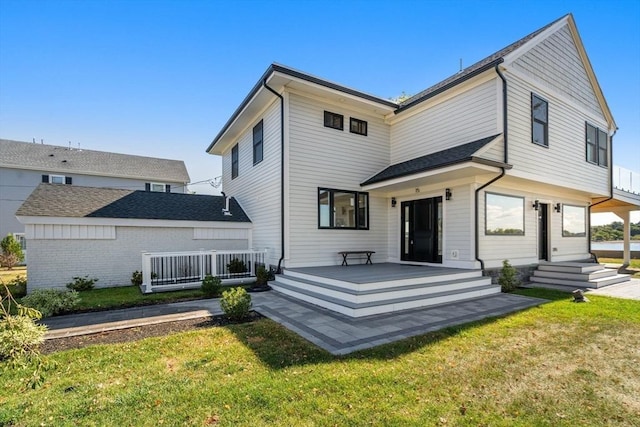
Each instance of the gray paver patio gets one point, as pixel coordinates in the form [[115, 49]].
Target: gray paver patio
[[334, 332]]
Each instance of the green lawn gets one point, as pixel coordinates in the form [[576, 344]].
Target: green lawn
[[560, 364], [130, 296]]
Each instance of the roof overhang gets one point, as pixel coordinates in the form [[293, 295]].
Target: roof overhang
[[279, 77], [465, 169], [622, 201], [129, 222]]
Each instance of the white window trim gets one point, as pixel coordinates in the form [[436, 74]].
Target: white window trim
[[152, 184], [51, 178]]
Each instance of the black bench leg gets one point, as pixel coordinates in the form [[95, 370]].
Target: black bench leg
[[344, 259], [368, 258]]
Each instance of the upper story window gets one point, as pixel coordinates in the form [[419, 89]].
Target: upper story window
[[597, 145], [56, 179], [343, 209], [234, 162], [539, 121], [257, 143], [358, 126], [158, 187], [333, 120]]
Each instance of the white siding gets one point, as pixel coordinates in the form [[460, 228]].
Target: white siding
[[220, 233], [556, 63], [469, 116], [70, 232], [54, 263], [325, 157], [257, 187], [563, 162]]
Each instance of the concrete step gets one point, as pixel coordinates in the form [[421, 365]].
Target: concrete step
[[365, 294], [570, 267], [594, 283], [386, 306], [605, 272]]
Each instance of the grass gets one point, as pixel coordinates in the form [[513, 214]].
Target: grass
[[560, 364], [130, 296], [8, 275], [634, 264]]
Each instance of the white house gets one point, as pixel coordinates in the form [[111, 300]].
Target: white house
[[24, 165], [499, 161]]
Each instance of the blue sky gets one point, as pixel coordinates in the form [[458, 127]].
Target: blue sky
[[160, 78]]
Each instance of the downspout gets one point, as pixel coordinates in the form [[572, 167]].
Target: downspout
[[610, 192], [264, 83], [503, 170]]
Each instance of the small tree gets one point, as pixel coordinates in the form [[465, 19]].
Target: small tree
[[11, 252], [236, 303], [508, 279]]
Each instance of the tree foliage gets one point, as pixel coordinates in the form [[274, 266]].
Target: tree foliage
[[614, 231], [11, 252]]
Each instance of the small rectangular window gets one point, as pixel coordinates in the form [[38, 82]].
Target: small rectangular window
[[358, 126], [157, 187], [234, 162], [597, 145], [257, 143], [56, 179], [343, 209], [539, 121], [333, 120]]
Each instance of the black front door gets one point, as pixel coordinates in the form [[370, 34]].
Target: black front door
[[422, 230], [543, 231]]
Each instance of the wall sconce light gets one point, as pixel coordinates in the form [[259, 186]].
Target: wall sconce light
[[393, 202], [557, 207], [447, 194], [536, 205]]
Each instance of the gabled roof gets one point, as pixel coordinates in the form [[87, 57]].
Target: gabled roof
[[64, 160], [54, 200], [473, 70], [450, 156]]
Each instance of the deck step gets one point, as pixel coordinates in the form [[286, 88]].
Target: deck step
[[593, 283], [599, 274], [570, 267]]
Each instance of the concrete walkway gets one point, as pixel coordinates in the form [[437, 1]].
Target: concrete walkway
[[334, 332], [627, 290]]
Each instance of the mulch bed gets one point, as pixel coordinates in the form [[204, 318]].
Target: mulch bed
[[137, 333]]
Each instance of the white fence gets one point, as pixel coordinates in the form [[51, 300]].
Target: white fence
[[166, 271]]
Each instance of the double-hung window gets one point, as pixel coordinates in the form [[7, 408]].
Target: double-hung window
[[257, 143], [597, 145], [343, 209], [357, 126], [234, 162], [333, 120], [539, 121]]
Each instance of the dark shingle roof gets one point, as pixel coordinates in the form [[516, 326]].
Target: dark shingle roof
[[78, 202], [450, 156], [477, 68], [51, 158]]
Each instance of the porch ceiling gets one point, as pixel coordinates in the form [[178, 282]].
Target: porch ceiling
[[622, 201]]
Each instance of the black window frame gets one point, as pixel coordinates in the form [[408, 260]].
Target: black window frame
[[330, 120], [235, 160], [356, 197], [601, 150], [361, 126], [535, 120], [258, 145]]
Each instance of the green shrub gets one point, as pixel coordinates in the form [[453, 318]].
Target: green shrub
[[11, 252], [236, 303], [17, 286], [136, 278], [19, 336], [211, 285], [51, 301], [262, 276], [508, 279], [81, 283], [236, 266]]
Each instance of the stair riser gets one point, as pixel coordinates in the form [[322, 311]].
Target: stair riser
[[580, 277], [388, 293], [368, 311], [570, 269], [384, 284], [581, 284]]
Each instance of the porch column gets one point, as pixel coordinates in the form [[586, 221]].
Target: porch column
[[625, 216]]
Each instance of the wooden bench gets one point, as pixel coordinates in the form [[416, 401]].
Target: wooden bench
[[345, 254]]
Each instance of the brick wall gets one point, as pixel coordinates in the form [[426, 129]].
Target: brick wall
[[54, 263]]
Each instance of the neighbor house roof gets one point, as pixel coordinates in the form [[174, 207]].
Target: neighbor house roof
[[450, 156], [64, 160], [54, 200]]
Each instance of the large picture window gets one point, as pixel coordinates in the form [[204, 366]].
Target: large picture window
[[539, 121], [504, 215], [574, 221], [343, 209], [597, 145]]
